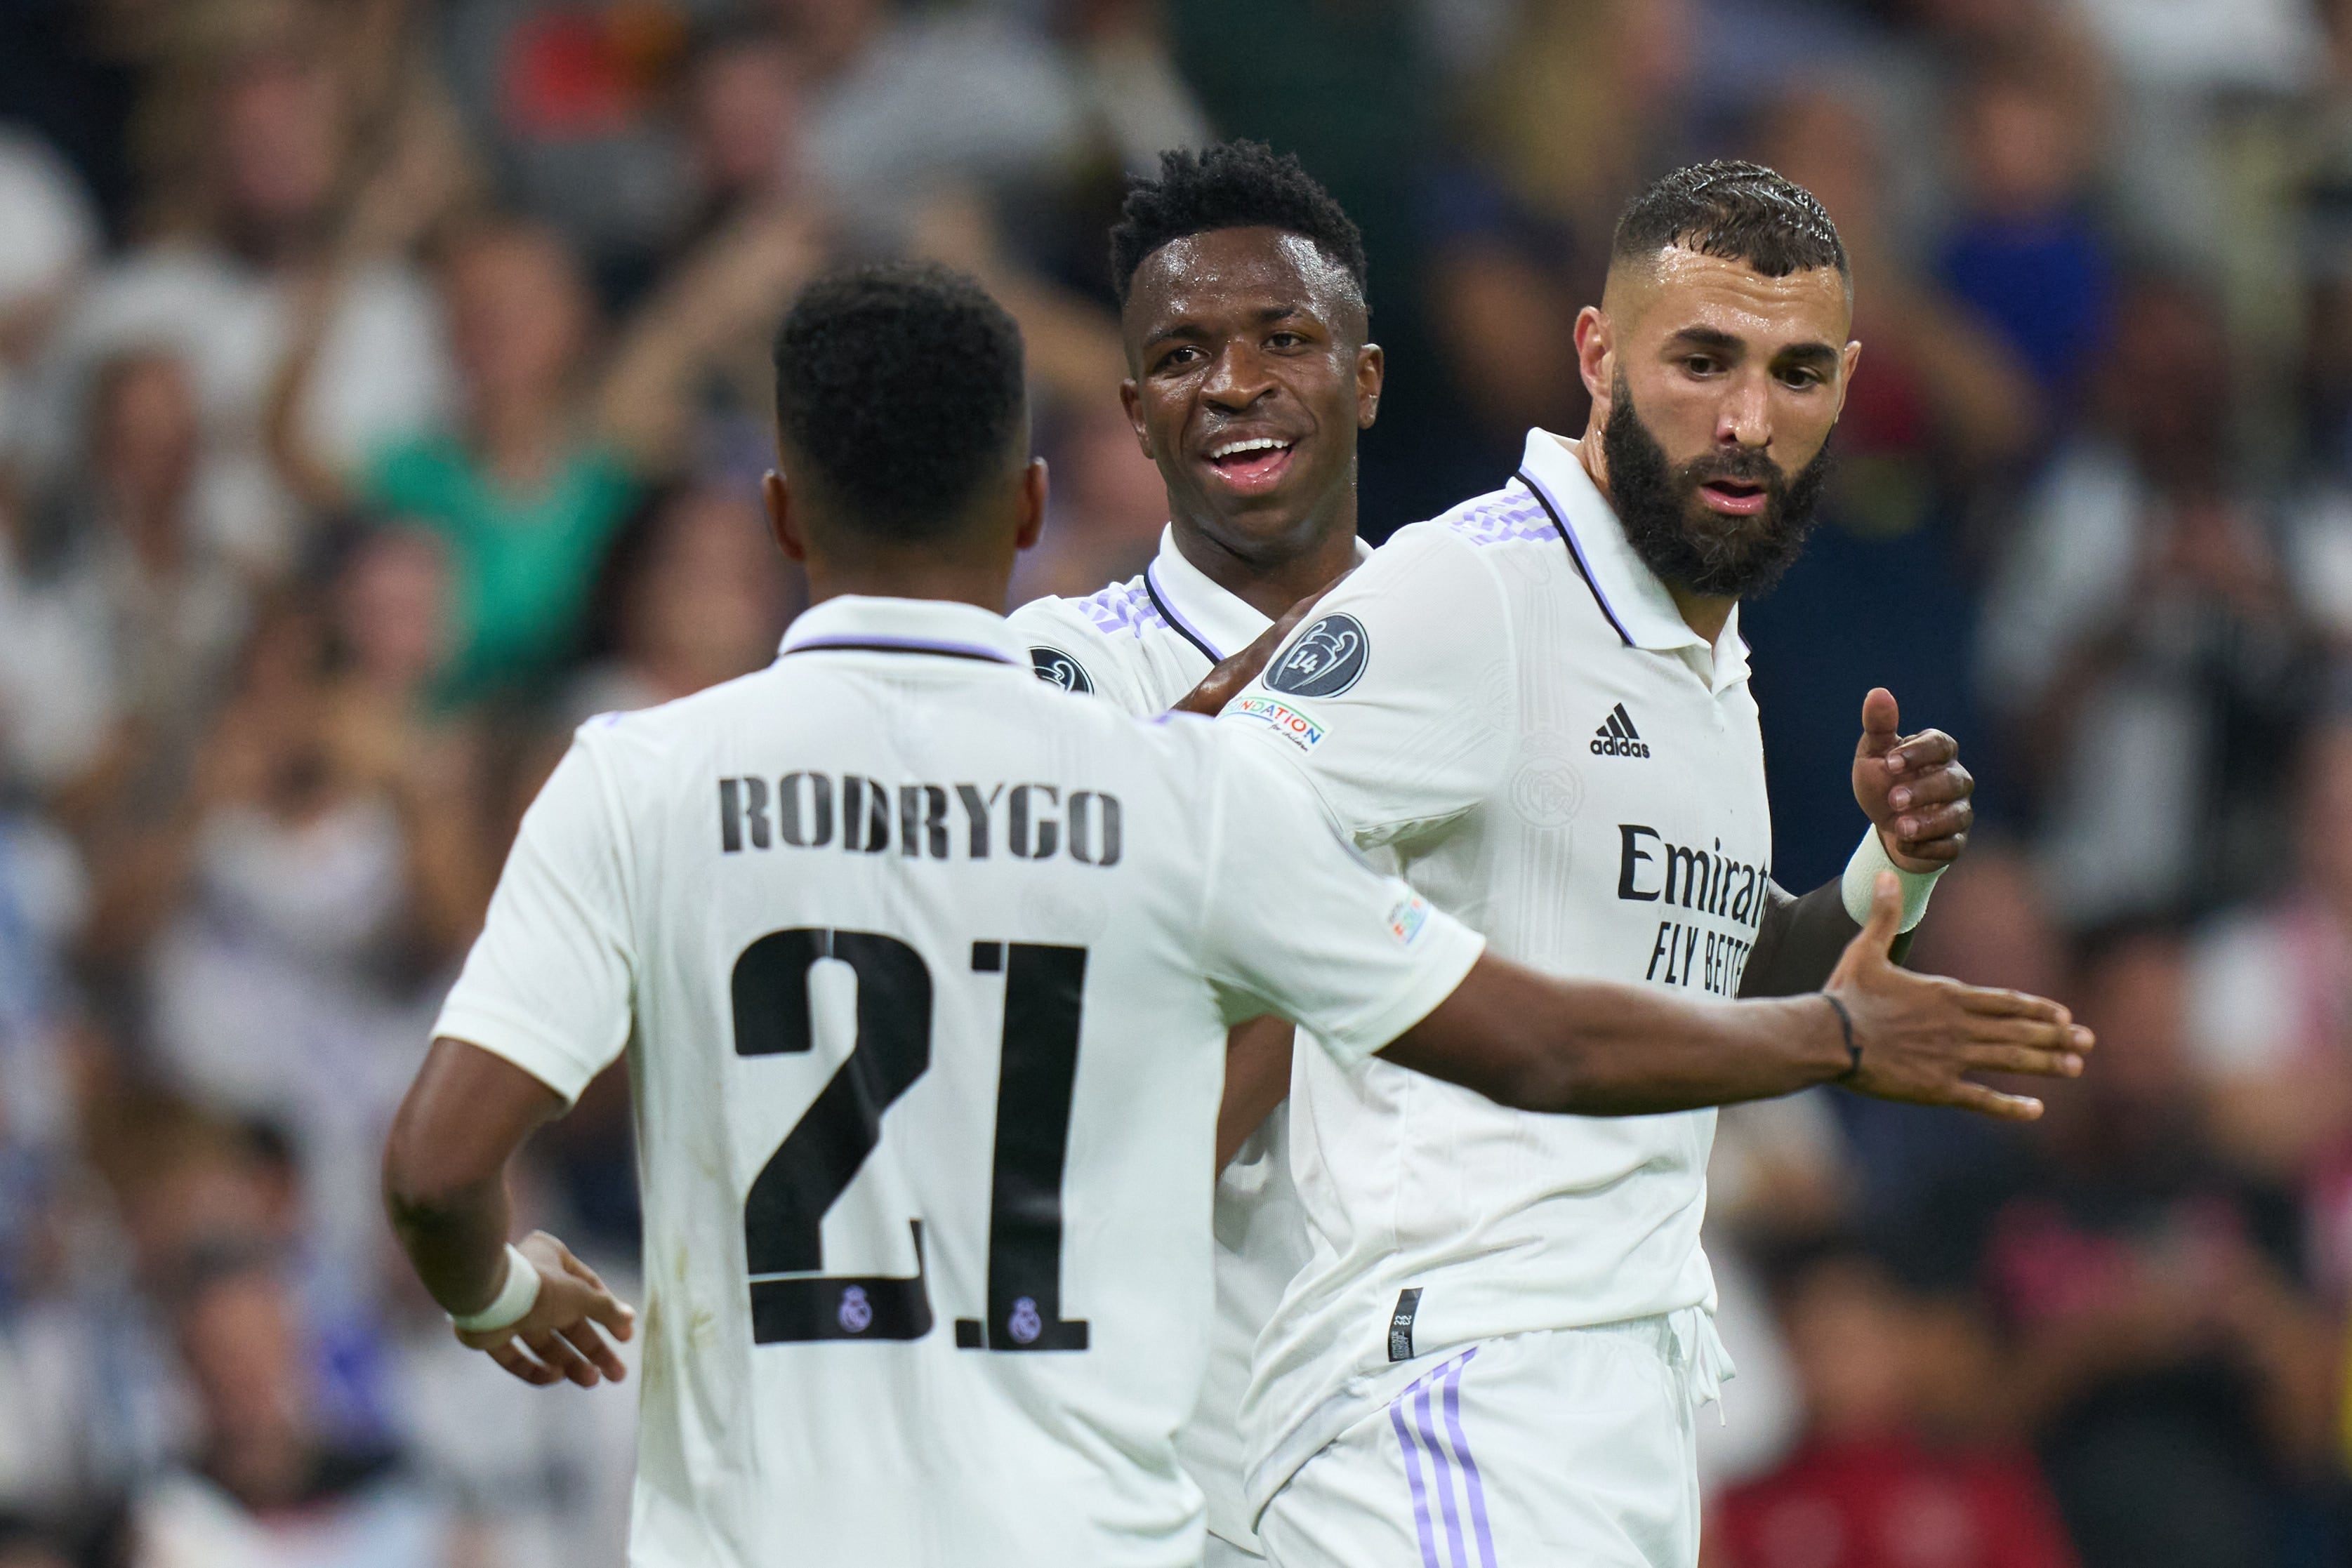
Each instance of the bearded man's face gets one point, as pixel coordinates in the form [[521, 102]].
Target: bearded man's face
[[1690, 543]]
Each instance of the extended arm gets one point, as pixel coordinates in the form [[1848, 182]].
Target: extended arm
[[1800, 941], [1257, 1077], [1601, 1049], [444, 1185]]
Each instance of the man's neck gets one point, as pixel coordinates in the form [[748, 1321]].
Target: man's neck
[[1271, 588], [1704, 614], [949, 582]]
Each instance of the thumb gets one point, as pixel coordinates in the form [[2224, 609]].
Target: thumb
[[1882, 722], [1876, 938]]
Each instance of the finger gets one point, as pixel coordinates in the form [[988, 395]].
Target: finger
[[583, 1337], [1885, 920], [1932, 786], [1993, 1103], [1882, 724], [619, 1318], [551, 1348], [580, 1271], [1929, 749], [1933, 822], [511, 1356], [1992, 1002], [2034, 1061]]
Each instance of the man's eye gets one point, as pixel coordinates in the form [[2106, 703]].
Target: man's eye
[[1285, 340], [1802, 380], [1176, 356]]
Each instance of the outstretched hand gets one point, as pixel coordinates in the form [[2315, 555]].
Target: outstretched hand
[[1912, 787], [1920, 1035], [558, 1338], [1223, 683]]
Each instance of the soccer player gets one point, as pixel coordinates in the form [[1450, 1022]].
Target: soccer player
[[1242, 285], [1537, 707], [924, 972]]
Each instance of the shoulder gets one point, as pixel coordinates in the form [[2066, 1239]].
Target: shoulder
[[1512, 515], [1122, 612]]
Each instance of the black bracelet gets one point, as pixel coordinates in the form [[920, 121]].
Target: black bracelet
[[1845, 1024]]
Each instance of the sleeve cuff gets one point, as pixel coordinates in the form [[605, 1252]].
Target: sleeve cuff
[[1870, 858], [522, 1042], [1453, 948]]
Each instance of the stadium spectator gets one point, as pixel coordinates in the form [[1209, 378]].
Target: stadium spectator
[[263, 1485], [2025, 253], [2140, 634], [2270, 1015], [219, 285], [1872, 1483], [526, 490]]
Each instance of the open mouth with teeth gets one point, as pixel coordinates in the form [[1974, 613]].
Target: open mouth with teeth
[[1250, 464]]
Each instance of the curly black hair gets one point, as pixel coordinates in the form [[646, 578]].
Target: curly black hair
[[1736, 211], [1229, 186], [902, 387]]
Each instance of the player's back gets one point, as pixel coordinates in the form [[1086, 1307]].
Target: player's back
[[924, 970], [891, 891]]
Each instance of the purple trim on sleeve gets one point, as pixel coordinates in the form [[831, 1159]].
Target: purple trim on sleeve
[[853, 642]]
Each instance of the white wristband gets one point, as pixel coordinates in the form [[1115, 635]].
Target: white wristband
[[511, 1304], [1861, 872]]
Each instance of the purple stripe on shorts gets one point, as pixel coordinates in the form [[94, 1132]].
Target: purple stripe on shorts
[[1412, 1476], [1454, 1554], [1469, 1466]]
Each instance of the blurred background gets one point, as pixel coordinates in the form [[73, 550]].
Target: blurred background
[[381, 391]]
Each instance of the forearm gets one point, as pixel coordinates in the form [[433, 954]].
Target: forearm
[[456, 1241], [1800, 941], [1598, 1049], [444, 1168], [1258, 1078]]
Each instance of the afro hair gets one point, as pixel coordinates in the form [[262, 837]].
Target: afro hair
[[1231, 185]]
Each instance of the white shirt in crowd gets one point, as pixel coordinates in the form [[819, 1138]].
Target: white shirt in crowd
[[925, 971], [1143, 645], [1507, 701]]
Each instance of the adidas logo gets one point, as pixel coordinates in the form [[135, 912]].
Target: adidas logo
[[1617, 737]]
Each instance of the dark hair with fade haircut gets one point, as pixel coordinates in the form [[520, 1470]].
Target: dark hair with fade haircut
[[903, 386], [1231, 185], [1734, 211]]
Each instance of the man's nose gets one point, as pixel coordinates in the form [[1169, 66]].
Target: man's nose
[[1239, 378], [1745, 417]]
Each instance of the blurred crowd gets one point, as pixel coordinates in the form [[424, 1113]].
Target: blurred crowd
[[381, 391]]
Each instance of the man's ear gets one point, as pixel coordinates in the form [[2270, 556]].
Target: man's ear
[[1032, 505], [1596, 356], [1130, 398], [782, 526], [1372, 373], [1853, 357]]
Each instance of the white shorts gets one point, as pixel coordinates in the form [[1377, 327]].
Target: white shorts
[[1530, 1451]]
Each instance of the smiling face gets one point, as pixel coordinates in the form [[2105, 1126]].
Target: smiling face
[[1715, 389], [1248, 380]]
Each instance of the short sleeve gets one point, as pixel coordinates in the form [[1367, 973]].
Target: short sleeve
[[549, 985], [1396, 698], [1065, 650], [1300, 923]]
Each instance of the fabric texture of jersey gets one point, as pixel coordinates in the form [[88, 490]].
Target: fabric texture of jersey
[[924, 973], [1505, 700], [1143, 645]]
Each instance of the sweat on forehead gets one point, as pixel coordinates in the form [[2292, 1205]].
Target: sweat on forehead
[[1222, 268]]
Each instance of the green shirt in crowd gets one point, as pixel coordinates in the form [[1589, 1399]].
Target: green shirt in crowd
[[523, 564]]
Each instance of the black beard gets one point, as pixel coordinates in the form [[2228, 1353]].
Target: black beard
[[1687, 545]]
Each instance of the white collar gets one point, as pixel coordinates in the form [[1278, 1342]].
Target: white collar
[[1211, 617], [854, 622], [1636, 603]]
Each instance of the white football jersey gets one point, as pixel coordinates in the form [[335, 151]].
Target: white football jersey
[[924, 972], [1507, 700], [1144, 645]]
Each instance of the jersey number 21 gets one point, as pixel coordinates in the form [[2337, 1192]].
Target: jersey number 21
[[784, 1216]]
